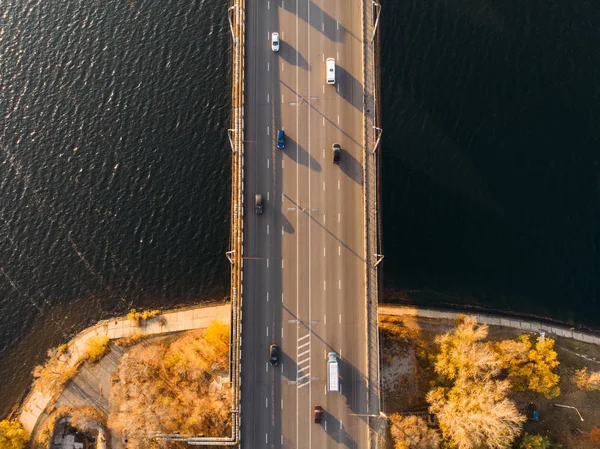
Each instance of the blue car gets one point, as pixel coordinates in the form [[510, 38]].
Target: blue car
[[280, 139]]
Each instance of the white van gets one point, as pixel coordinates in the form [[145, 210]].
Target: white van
[[330, 71]]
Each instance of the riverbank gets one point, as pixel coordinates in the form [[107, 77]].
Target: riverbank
[[38, 399]]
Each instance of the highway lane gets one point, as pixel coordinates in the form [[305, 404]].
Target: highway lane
[[304, 257]]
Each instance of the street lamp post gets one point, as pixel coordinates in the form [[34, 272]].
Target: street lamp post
[[570, 406]]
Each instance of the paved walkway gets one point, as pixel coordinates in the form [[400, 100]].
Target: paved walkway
[[176, 321], [525, 325]]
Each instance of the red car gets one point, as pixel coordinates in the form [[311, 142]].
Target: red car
[[318, 414]]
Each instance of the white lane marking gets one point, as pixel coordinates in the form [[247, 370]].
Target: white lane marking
[[282, 66], [323, 252], [268, 66], [282, 7], [341, 424], [267, 296], [339, 250], [268, 131], [337, 88], [326, 424], [268, 35], [324, 285], [340, 318], [323, 121], [282, 301], [267, 331], [268, 229], [268, 195], [282, 440], [338, 119], [324, 319], [337, 25], [281, 263], [267, 263], [267, 367], [283, 35], [323, 218], [268, 98], [322, 27], [338, 55], [282, 196], [281, 163], [323, 57], [268, 162], [266, 403], [282, 98], [282, 363], [338, 184], [282, 336], [269, 5], [323, 153], [282, 230], [323, 88], [282, 406], [339, 284], [323, 185], [266, 438], [339, 218]]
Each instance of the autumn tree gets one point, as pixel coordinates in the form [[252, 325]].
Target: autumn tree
[[530, 368], [12, 435], [412, 432], [469, 401], [587, 381], [535, 442]]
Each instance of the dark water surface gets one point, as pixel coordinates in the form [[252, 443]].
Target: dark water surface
[[491, 146], [114, 163], [114, 166]]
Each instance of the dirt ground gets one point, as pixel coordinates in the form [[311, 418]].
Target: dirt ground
[[407, 346]]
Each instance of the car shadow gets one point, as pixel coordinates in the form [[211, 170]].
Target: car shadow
[[298, 154], [289, 54], [351, 167], [319, 20], [350, 88]]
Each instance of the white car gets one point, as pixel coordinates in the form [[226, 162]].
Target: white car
[[275, 41]]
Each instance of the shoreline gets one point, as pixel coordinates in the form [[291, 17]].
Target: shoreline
[[34, 402]]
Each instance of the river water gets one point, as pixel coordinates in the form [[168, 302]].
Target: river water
[[114, 161]]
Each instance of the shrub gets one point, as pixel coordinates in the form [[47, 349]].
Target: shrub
[[411, 432], [535, 442], [134, 315], [62, 349], [12, 435], [587, 381], [595, 435], [97, 347], [130, 341]]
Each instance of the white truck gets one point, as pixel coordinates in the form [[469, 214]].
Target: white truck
[[333, 375]]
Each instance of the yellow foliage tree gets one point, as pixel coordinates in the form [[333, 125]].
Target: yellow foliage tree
[[412, 432], [530, 368], [469, 401], [12, 435], [587, 381]]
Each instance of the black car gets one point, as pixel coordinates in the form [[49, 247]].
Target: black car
[[274, 355], [258, 204], [337, 151]]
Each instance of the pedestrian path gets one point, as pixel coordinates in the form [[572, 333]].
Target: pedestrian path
[[516, 323], [174, 321]]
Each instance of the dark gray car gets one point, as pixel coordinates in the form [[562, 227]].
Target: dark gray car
[[258, 204], [337, 151]]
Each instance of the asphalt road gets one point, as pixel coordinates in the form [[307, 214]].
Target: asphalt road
[[304, 261]]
